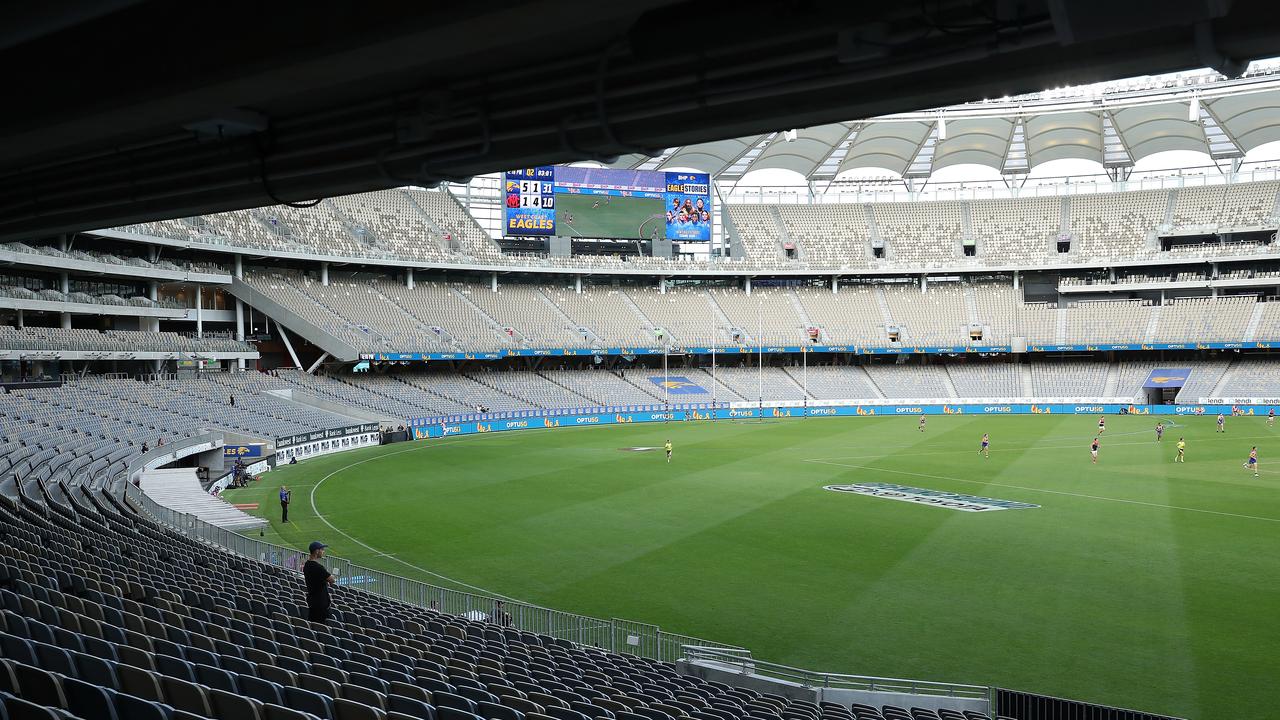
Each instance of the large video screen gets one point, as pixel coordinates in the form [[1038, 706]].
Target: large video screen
[[603, 203]]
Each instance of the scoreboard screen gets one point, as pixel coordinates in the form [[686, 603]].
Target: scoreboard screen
[[605, 203]]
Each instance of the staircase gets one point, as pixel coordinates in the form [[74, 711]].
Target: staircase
[[477, 379], [494, 325], [1028, 385], [445, 339], [596, 340], [1061, 332], [1112, 382], [1221, 385], [571, 391], [883, 302], [432, 393], [946, 381], [1255, 320], [783, 236], [722, 319], [796, 376], [873, 230], [636, 309], [971, 306], [871, 382], [966, 225], [1153, 324], [437, 232]]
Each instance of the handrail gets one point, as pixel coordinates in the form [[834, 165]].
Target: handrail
[[816, 679]]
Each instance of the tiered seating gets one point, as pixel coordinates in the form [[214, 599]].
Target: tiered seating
[[605, 312], [1121, 321], [1116, 225], [772, 312], [936, 317], [1016, 232], [686, 315], [830, 235], [909, 381], [83, 340], [1190, 319], [458, 226], [1069, 379], [524, 309], [287, 289], [852, 316], [108, 614], [1252, 378], [602, 387], [840, 382], [392, 223], [758, 231], [920, 235], [365, 396], [1205, 376], [749, 384], [998, 309], [986, 380]]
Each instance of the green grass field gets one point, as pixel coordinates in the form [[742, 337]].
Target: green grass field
[[620, 218], [1138, 582]]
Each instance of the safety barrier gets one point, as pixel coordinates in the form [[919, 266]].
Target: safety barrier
[[616, 635]]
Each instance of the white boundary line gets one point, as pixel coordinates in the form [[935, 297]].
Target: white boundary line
[[379, 553], [1051, 492]]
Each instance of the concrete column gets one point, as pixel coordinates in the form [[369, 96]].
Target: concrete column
[[239, 270], [408, 278], [324, 273], [62, 243], [1016, 278], [924, 283], [1113, 274], [239, 320], [66, 321], [153, 292], [493, 282], [662, 285], [835, 284], [577, 284], [21, 321], [746, 285], [199, 312], [64, 282]]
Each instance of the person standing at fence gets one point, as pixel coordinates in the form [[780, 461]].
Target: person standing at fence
[[285, 496], [318, 580]]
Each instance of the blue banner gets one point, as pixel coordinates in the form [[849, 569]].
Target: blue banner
[[437, 427], [787, 349], [242, 451], [687, 202], [678, 385], [1167, 378]]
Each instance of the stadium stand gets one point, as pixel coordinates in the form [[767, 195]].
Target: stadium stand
[[431, 226], [379, 315], [80, 340], [152, 624]]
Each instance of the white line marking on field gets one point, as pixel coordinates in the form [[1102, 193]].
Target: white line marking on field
[[1051, 492], [379, 553]]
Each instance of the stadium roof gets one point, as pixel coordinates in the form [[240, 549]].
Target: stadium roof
[[122, 111], [1224, 119]]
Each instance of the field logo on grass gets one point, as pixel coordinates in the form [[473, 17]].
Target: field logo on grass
[[935, 498]]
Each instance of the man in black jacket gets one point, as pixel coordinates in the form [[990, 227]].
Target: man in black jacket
[[318, 580]]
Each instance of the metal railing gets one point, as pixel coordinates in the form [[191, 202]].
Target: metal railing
[[614, 634], [743, 664]]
